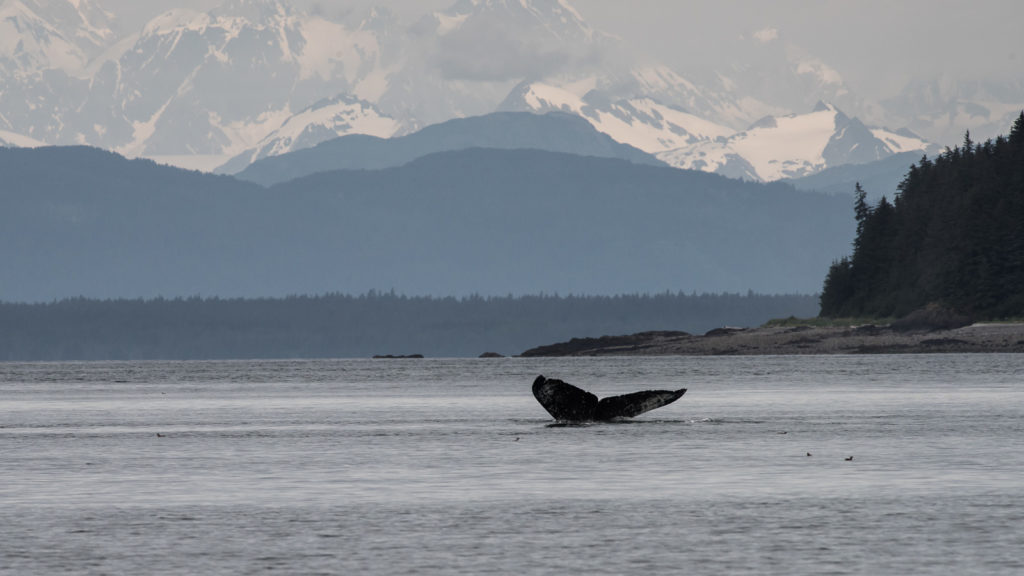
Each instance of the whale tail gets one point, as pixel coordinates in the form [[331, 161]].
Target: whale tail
[[568, 403]]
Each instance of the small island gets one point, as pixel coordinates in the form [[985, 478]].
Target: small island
[[798, 338]]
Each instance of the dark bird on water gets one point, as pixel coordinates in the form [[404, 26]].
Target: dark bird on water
[[849, 459], [568, 403]]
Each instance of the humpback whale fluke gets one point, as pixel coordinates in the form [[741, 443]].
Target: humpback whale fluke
[[566, 402]]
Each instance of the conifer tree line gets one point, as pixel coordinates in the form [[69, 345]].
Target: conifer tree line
[[953, 236]]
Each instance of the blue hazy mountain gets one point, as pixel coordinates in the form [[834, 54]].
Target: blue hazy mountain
[[878, 178], [80, 221], [554, 132]]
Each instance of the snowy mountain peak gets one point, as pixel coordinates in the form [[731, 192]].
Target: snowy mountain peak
[[641, 121], [324, 120], [219, 82], [793, 146]]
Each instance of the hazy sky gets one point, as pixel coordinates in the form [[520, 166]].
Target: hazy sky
[[877, 45], [874, 44]]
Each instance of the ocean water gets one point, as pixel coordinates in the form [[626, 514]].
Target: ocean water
[[451, 467]]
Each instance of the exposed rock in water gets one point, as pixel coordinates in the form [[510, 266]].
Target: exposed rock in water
[[606, 344]]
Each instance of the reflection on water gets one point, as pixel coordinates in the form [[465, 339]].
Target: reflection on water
[[450, 466]]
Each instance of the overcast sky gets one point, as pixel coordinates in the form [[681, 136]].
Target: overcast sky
[[877, 45]]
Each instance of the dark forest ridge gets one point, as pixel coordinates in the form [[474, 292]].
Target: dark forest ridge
[[953, 237]]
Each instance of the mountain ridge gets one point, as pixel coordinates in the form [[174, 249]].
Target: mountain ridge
[[795, 145], [556, 132], [243, 78], [84, 222]]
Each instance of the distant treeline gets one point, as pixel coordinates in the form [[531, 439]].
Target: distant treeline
[[953, 237], [338, 325]]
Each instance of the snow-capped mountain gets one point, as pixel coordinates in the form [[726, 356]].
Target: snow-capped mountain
[[641, 122], [255, 78], [45, 47], [219, 82], [722, 105], [188, 83], [772, 148], [222, 82], [59, 34], [794, 145], [327, 119]]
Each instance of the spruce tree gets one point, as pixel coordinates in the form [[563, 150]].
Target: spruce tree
[[954, 235]]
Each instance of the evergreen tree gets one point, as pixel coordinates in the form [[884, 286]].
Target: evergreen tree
[[838, 289], [861, 208], [1017, 131], [954, 236]]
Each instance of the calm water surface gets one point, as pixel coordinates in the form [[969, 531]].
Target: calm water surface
[[451, 467]]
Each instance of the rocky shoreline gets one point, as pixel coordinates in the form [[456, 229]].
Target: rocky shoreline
[[867, 339]]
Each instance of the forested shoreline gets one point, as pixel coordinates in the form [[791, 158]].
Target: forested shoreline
[[952, 238], [338, 325]]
